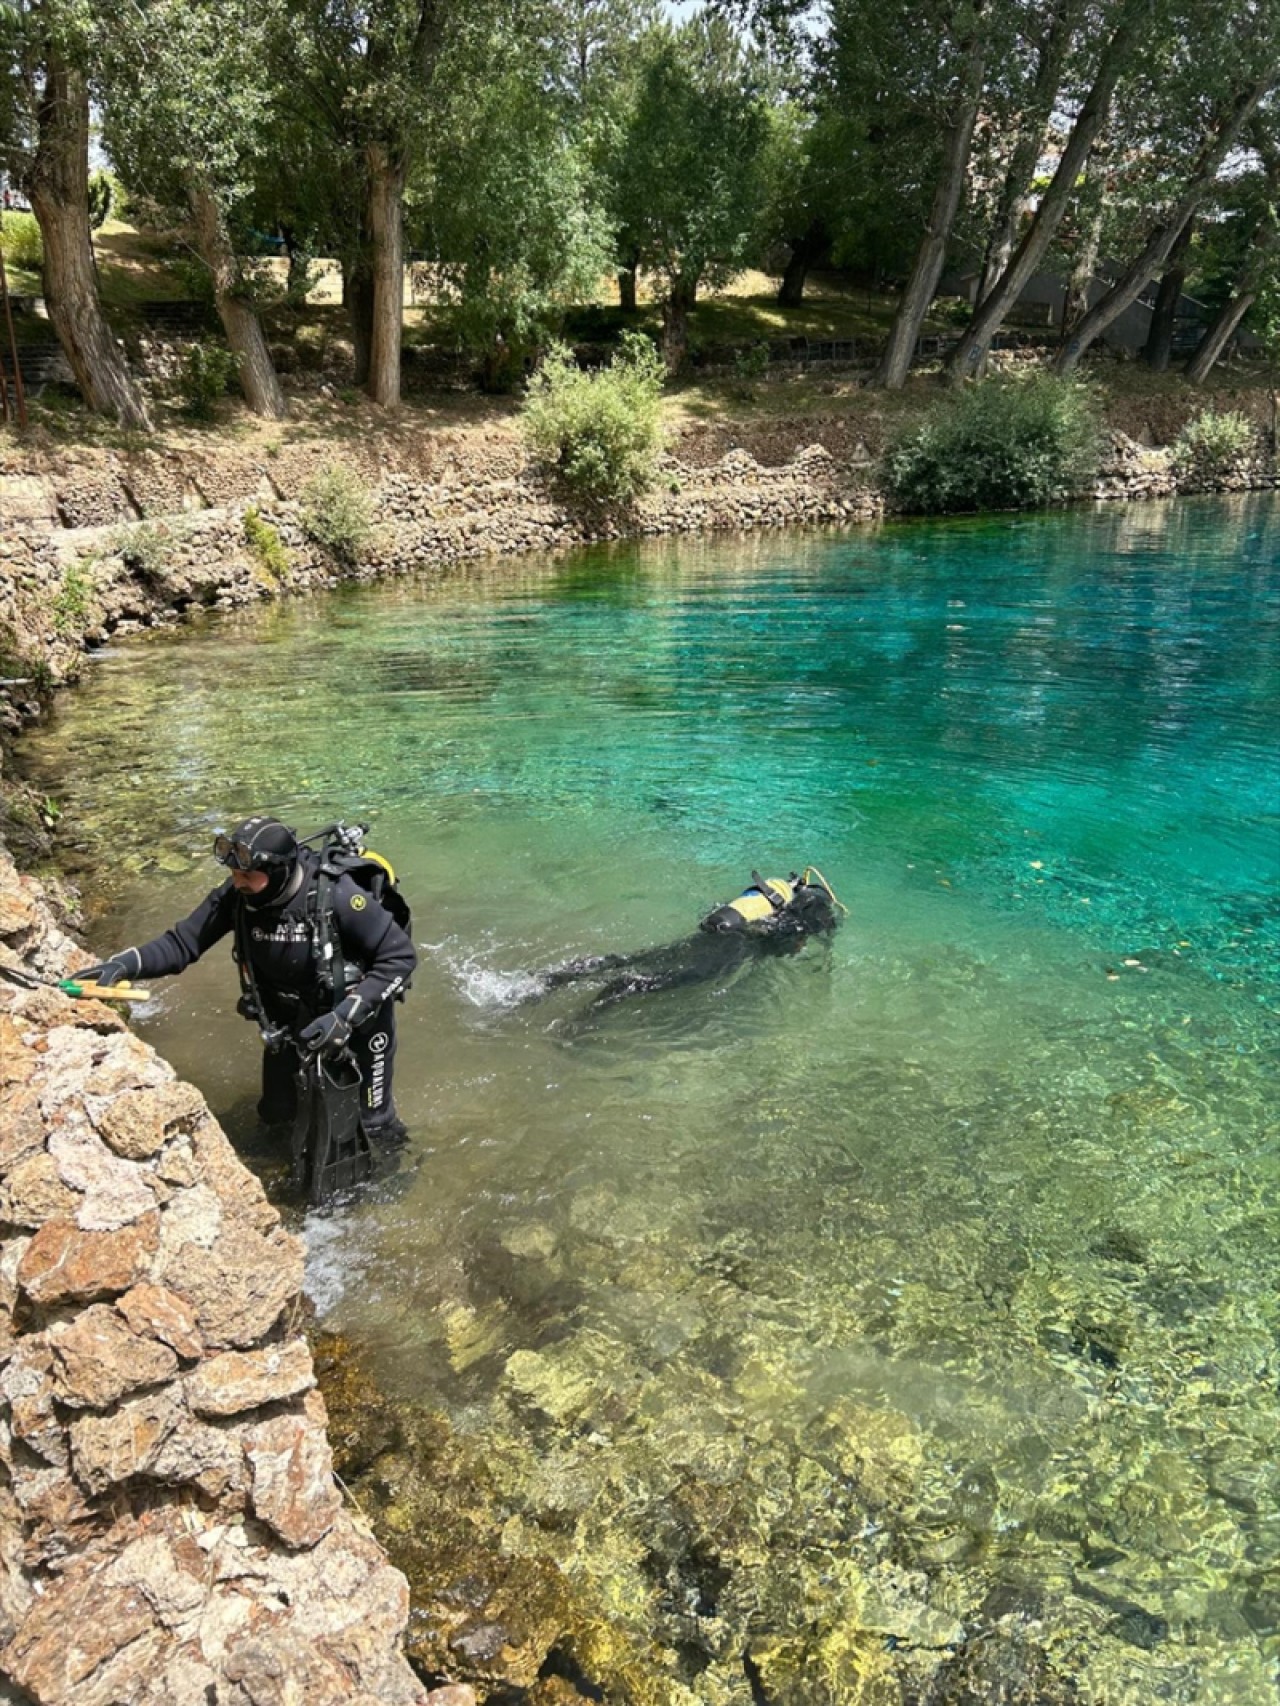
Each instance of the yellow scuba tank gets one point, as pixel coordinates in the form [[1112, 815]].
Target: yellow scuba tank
[[766, 896], [754, 903]]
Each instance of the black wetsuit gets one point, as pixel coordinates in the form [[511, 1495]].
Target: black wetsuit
[[722, 942], [277, 936]]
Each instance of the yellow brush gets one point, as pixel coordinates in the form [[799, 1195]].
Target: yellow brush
[[81, 987]]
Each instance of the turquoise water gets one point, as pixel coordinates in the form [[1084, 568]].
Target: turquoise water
[[922, 1281]]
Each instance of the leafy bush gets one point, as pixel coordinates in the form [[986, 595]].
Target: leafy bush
[[266, 544], [749, 367], [145, 548], [207, 370], [337, 511], [102, 198], [599, 432], [73, 602], [1016, 443], [1209, 446], [23, 244]]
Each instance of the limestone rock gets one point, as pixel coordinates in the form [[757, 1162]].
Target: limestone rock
[[106, 1450], [114, 1192], [293, 1489], [21, 1126], [79, 1642], [98, 1358], [158, 1313], [241, 1380], [139, 1122], [239, 1286], [34, 1193], [62, 1264]]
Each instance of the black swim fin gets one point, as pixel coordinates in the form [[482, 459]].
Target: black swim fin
[[331, 1153]]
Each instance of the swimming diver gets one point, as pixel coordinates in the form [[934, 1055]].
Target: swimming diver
[[322, 961], [773, 916]]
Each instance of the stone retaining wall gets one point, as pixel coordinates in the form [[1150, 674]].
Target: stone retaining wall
[[170, 1529]]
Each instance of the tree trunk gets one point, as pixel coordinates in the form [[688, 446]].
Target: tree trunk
[[357, 299], [386, 234], [1219, 334], [627, 290], [805, 252], [918, 293], [58, 187], [970, 354], [1016, 188], [791, 290], [1091, 206], [1155, 252], [239, 317], [1164, 318], [1221, 331], [675, 324]]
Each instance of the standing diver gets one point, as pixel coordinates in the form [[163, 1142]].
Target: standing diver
[[322, 961]]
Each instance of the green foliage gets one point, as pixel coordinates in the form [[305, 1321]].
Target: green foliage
[[691, 164], [750, 366], [208, 370], [102, 197], [337, 511], [1017, 443], [510, 224], [72, 603], [599, 432], [144, 548], [23, 244], [266, 544], [1210, 445]]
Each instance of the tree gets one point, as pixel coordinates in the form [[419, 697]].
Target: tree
[[378, 63], [187, 102], [689, 173], [1244, 247], [1221, 133], [507, 217], [1119, 46], [44, 128], [965, 46]]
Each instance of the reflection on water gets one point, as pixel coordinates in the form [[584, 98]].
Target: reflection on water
[[838, 1312]]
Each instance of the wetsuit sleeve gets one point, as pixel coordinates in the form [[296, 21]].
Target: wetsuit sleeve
[[372, 940], [184, 943]]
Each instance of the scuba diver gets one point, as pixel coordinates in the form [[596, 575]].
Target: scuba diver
[[773, 916], [321, 939]]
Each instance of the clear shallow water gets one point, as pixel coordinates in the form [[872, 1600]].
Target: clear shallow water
[[911, 1280]]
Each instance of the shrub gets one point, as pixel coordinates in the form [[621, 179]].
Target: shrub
[[72, 602], [144, 548], [1210, 446], [266, 544], [206, 372], [599, 432], [749, 367], [1016, 443], [23, 244], [337, 511], [102, 197]]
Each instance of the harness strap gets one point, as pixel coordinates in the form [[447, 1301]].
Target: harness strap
[[326, 946], [769, 892]]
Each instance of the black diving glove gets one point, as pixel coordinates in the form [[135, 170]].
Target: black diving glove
[[126, 964], [331, 1032]]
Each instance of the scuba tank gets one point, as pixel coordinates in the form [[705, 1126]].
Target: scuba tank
[[804, 902]]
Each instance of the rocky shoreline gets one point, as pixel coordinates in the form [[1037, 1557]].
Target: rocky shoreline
[[170, 1525]]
